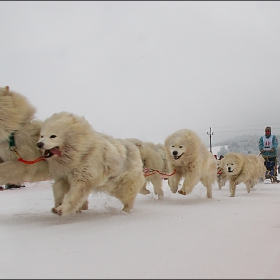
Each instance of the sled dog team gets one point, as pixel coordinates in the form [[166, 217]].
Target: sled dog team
[[79, 160]]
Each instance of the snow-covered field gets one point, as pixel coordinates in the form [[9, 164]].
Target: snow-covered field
[[179, 237]]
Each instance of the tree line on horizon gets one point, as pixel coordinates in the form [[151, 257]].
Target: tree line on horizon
[[244, 144]]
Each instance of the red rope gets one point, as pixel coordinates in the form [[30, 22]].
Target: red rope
[[31, 161], [220, 171], [148, 173], [28, 161]]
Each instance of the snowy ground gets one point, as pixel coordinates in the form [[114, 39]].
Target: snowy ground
[[179, 237]]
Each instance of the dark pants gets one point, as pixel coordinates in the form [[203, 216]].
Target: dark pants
[[270, 164]]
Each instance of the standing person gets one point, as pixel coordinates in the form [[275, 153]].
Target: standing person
[[268, 145]]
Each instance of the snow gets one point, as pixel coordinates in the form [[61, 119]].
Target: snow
[[179, 237], [216, 149]]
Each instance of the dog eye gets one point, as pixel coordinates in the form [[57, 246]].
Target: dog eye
[[53, 136], [180, 147], [172, 146]]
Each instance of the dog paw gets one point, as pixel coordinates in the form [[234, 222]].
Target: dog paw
[[182, 192], [56, 211], [144, 191], [127, 207], [85, 206]]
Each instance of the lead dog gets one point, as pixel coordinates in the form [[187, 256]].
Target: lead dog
[[82, 160]]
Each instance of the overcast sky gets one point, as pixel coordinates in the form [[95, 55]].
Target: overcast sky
[[146, 69]]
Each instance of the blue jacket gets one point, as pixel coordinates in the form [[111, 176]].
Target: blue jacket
[[273, 151]]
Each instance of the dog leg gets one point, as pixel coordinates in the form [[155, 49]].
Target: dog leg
[[128, 206], [219, 183], [190, 181], [173, 182], [85, 205], [248, 185], [224, 182], [187, 187], [128, 189], [208, 183], [127, 199], [60, 188], [157, 183], [232, 188], [74, 199], [144, 190], [209, 191]]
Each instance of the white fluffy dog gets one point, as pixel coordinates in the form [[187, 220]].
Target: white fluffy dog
[[240, 169], [191, 160], [82, 160], [19, 132], [154, 159], [262, 168], [259, 171]]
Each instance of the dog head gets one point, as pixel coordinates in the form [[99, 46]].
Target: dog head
[[50, 141], [63, 135], [181, 144], [232, 163], [55, 134], [177, 150]]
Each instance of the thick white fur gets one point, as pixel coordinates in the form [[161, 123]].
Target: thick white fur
[[259, 168], [262, 167], [161, 150], [89, 161], [17, 115], [196, 163], [221, 175], [153, 158], [240, 169]]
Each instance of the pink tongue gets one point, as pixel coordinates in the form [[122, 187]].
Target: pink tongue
[[56, 151]]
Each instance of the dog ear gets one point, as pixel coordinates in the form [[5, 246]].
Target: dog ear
[[138, 143], [6, 91]]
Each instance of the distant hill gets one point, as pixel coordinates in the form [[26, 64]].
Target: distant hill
[[245, 144]]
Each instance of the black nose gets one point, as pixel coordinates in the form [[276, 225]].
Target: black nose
[[175, 153], [40, 145]]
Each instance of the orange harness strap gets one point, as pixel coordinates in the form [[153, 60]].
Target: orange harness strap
[[148, 172], [28, 161], [220, 171]]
